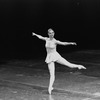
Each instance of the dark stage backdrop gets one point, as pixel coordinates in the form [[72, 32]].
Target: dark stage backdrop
[[72, 20]]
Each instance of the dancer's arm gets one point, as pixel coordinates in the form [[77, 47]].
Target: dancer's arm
[[39, 36], [66, 43]]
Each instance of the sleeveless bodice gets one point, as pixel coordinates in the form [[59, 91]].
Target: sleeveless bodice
[[50, 45]]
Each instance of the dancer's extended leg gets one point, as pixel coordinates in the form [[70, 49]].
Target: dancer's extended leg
[[51, 67], [71, 65]]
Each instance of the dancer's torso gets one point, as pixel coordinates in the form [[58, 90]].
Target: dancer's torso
[[50, 45]]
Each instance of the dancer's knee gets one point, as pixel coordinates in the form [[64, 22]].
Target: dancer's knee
[[52, 75], [63, 62]]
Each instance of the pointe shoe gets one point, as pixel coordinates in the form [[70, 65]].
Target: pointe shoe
[[50, 90], [81, 67]]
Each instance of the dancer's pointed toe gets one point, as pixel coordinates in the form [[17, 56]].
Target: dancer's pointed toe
[[81, 67], [50, 90]]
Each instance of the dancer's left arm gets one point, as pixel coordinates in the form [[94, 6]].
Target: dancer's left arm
[[65, 43]]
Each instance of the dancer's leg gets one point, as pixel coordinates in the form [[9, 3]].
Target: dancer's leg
[[71, 65], [51, 67]]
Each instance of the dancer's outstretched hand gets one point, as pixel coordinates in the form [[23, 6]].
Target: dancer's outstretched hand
[[33, 34], [73, 43], [81, 67]]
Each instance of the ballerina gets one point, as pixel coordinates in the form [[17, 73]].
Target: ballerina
[[53, 56]]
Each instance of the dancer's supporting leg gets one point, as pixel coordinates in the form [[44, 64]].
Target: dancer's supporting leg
[[51, 67], [66, 63]]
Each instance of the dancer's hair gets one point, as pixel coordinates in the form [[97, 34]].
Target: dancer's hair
[[50, 29]]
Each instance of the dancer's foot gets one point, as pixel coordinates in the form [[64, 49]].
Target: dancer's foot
[[81, 67], [50, 90]]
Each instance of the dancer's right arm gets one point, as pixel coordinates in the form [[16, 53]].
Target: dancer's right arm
[[39, 36]]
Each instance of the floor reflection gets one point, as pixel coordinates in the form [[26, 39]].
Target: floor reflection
[[51, 97]]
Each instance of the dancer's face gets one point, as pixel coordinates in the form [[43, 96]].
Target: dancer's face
[[51, 34]]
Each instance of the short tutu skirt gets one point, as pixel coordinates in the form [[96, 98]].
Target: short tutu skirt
[[54, 56]]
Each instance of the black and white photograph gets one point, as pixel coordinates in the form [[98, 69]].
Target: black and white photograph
[[50, 50]]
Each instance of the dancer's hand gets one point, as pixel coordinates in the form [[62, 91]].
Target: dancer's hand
[[81, 67], [33, 34], [73, 43]]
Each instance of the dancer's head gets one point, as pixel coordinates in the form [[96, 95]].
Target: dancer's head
[[51, 33]]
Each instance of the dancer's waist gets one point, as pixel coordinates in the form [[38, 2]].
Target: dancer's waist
[[49, 50]]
